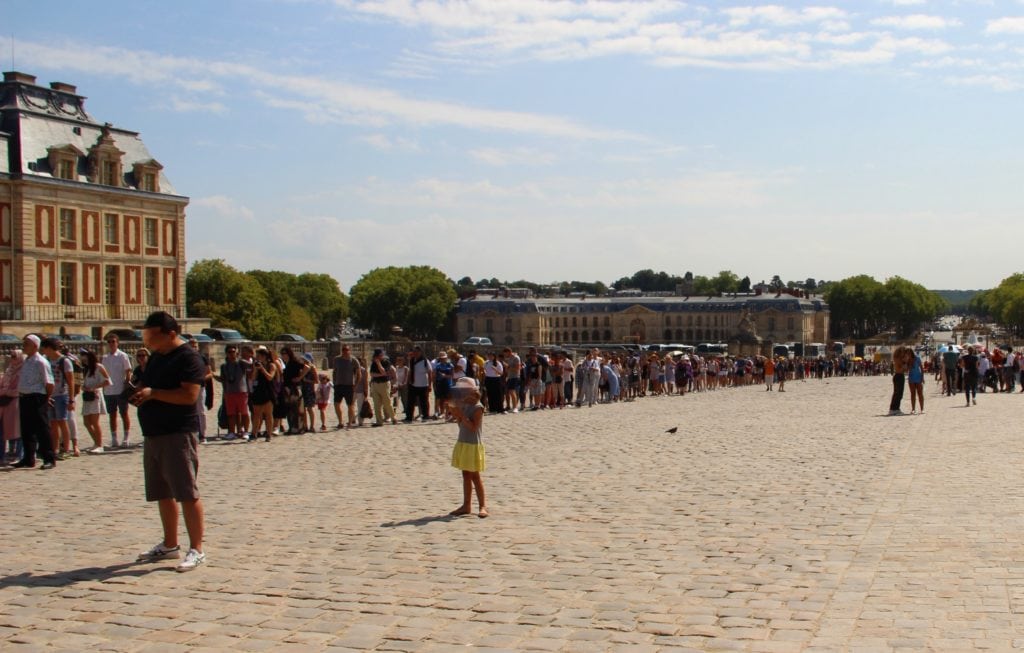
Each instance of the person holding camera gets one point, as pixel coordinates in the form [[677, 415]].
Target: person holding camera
[[168, 414], [263, 376], [94, 379]]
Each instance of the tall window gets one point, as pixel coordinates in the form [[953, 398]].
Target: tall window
[[149, 182], [67, 224], [110, 228], [150, 232], [771, 324], [66, 169], [470, 325], [151, 286], [488, 325], [790, 323], [110, 284], [67, 284], [109, 174]]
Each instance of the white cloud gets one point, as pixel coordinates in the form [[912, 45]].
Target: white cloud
[[318, 99], [1007, 25], [225, 207], [513, 156], [783, 16], [179, 104], [389, 143], [995, 82], [908, 3], [916, 22]]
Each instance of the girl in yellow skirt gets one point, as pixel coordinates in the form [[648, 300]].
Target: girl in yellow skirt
[[468, 454]]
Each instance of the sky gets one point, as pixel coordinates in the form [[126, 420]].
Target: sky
[[566, 140]]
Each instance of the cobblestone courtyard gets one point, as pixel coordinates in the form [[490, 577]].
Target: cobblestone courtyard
[[770, 522]]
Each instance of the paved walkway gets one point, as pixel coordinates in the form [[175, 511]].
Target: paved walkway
[[803, 521]]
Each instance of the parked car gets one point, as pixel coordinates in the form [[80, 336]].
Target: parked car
[[130, 335], [289, 337], [9, 337], [198, 337], [225, 334], [477, 341]]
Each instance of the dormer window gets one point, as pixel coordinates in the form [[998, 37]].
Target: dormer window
[[147, 175], [105, 160], [63, 161]]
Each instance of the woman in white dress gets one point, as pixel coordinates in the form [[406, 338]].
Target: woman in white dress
[[95, 378]]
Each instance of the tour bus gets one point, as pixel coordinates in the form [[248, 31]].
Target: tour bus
[[784, 350], [815, 350], [713, 349]]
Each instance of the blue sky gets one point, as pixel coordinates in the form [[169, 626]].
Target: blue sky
[[567, 140]]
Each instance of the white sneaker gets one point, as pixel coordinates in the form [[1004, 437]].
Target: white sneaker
[[192, 560], [160, 552], [229, 436], [98, 449]]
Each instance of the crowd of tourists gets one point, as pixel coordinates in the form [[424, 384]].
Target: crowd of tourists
[[266, 393]]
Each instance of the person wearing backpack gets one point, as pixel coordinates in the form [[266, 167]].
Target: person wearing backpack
[[63, 397]]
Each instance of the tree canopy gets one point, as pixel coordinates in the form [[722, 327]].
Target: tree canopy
[[862, 307], [1004, 303], [419, 299], [262, 304]]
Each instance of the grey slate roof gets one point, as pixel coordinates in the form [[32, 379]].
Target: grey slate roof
[[40, 118]]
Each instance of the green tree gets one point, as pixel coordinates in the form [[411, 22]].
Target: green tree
[[854, 305], [744, 285], [725, 282], [419, 299], [229, 299], [905, 305], [322, 298], [1005, 303]]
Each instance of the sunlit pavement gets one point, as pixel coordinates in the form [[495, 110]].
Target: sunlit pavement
[[804, 520]]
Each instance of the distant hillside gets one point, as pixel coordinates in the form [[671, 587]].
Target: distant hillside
[[958, 299]]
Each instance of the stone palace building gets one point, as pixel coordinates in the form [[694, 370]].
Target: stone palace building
[[520, 319], [92, 233]]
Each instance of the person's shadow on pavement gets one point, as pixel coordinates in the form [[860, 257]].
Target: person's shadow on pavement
[[72, 576]]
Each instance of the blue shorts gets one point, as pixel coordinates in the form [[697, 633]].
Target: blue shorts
[[59, 409]]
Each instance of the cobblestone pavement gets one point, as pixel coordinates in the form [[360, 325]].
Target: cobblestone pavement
[[803, 521]]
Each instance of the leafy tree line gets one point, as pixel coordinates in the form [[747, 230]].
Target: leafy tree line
[[421, 300], [265, 304], [862, 307], [1003, 304]]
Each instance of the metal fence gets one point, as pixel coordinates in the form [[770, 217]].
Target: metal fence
[[96, 312]]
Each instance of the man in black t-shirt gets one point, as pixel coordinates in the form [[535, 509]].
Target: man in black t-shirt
[[169, 417]]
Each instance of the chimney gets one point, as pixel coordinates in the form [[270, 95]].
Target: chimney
[[14, 76], [61, 86]]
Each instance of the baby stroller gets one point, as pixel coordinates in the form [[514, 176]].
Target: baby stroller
[[991, 379]]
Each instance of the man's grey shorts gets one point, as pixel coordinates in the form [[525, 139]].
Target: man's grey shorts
[[118, 402], [171, 466]]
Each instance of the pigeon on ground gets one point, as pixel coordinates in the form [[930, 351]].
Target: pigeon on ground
[[672, 430]]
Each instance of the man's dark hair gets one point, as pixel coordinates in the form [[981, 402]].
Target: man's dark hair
[[161, 320], [51, 343]]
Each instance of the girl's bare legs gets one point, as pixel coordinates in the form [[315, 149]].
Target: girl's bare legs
[[471, 480], [92, 425], [467, 495], [478, 483]]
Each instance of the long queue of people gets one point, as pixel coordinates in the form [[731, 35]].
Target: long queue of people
[[267, 393], [45, 386]]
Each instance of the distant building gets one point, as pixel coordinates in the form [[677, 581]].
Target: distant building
[[92, 233], [645, 319]]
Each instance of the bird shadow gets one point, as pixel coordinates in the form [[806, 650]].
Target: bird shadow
[[84, 574]]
